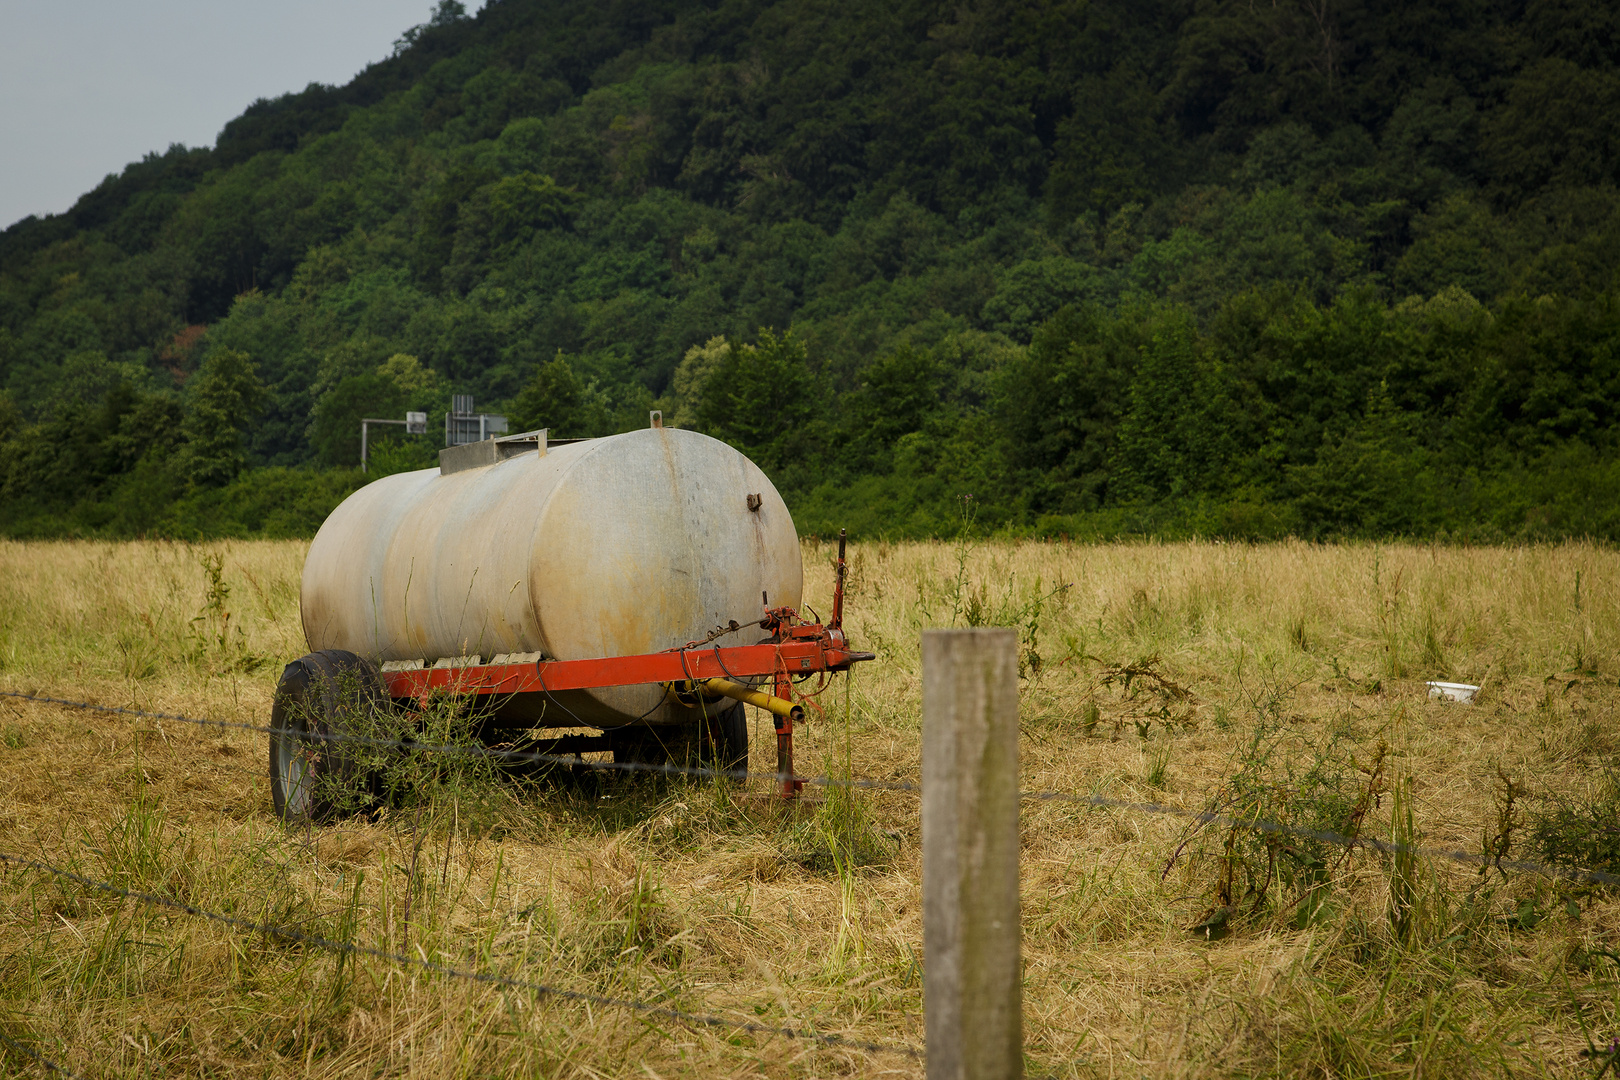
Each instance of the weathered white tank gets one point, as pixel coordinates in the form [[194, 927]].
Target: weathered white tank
[[604, 547]]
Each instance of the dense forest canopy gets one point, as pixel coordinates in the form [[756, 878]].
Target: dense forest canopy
[[1319, 267]]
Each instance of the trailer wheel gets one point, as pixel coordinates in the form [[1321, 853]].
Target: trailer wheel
[[644, 746], [321, 696], [728, 750], [723, 744]]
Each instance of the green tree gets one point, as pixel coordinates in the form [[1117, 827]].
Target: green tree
[[520, 204], [1178, 436], [557, 400], [422, 388], [758, 398], [222, 400], [1111, 150], [897, 395], [692, 375], [335, 431], [1058, 404], [10, 418], [1458, 242], [1560, 126], [1375, 479], [448, 13]]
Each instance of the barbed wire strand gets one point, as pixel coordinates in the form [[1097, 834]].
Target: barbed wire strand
[[513, 756], [1200, 816], [1262, 825], [41, 1058], [287, 933]]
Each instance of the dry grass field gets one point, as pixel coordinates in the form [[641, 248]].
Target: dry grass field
[[1282, 682]]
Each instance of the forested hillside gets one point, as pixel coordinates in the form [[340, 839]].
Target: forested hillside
[[1315, 267]]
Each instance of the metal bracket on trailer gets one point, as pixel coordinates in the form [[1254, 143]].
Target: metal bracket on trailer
[[800, 649], [809, 649], [793, 657]]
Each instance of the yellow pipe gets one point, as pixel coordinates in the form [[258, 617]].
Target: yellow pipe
[[756, 698]]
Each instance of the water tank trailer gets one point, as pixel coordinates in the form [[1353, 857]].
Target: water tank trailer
[[639, 587]]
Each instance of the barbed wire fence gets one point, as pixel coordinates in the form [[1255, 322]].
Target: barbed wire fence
[[649, 1008], [45, 1062], [1260, 825], [301, 937], [714, 1021]]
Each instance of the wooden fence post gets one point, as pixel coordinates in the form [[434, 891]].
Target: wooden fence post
[[972, 998]]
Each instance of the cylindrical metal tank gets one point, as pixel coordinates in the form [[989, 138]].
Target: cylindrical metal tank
[[606, 547]]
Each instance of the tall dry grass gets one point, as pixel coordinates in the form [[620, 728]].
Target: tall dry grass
[[1284, 677]]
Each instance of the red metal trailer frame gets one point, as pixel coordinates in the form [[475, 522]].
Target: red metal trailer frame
[[799, 649]]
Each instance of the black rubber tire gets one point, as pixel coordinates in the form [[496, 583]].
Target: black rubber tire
[[728, 750], [314, 780], [646, 746], [722, 744]]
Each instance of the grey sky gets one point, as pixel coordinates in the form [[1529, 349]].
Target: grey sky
[[87, 86]]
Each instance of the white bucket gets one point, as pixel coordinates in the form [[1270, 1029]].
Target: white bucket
[[1452, 691]]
